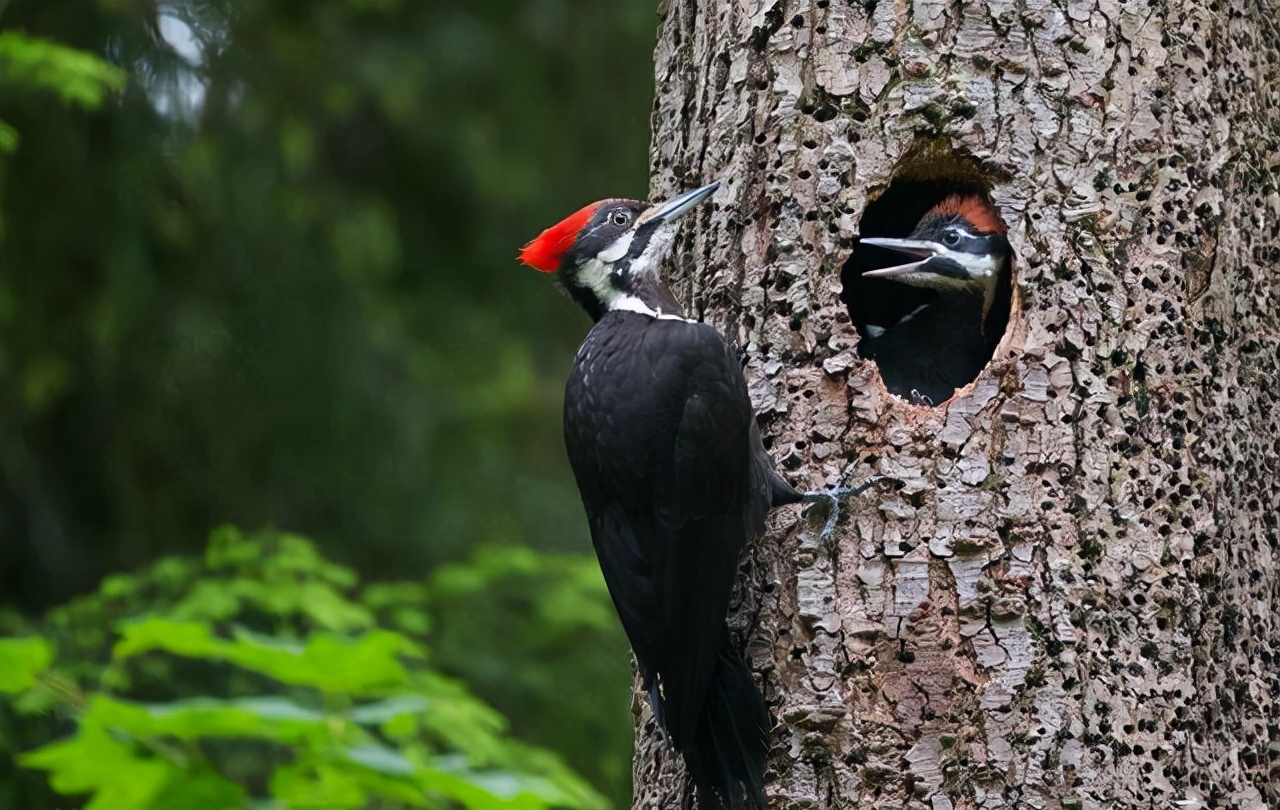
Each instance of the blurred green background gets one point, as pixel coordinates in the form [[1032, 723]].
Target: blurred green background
[[270, 281]]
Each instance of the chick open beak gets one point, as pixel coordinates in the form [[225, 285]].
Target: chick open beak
[[912, 247]]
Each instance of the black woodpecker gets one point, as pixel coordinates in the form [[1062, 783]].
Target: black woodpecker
[[675, 481], [960, 253]]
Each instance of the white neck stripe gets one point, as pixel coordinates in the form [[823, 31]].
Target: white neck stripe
[[630, 303]]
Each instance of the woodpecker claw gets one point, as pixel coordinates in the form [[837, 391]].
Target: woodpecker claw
[[833, 497]]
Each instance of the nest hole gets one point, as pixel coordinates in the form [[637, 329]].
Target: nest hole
[[933, 329]]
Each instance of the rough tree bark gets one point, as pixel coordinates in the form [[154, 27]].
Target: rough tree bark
[[1073, 603]]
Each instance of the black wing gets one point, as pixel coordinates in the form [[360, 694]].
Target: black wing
[[658, 428]]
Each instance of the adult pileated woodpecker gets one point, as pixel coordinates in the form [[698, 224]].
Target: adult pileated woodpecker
[[675, 481], [962, 255]]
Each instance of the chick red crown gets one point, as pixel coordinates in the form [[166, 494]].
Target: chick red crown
[[981, 214]]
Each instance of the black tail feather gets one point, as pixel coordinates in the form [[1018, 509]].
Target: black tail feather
[[727, 757]]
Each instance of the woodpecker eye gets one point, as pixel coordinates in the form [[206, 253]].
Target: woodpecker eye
[[621, 218], [951, 238]]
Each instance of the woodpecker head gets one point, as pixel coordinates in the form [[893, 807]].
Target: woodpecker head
[[959, 246], [607, 254]]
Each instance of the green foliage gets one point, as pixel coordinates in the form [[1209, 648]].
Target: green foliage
[[9, 138], [271, 282], [77, 77], [553, 615], [21, 660], [265, 675]]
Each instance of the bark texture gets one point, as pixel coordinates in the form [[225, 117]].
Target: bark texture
[[1074, 602]]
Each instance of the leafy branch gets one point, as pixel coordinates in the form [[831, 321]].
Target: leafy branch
[[338, 702], [79, 78]]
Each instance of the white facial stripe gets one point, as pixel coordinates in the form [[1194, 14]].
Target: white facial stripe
[[984, 270], [977, 266], [618, 249], [659, 245]]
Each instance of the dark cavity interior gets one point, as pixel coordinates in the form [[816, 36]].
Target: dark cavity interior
[[926, 363]]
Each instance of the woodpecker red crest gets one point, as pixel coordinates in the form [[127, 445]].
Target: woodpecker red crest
[[545, 251]]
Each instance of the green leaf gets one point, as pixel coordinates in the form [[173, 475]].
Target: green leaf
[[297, 555], [402, 603], [229, 548], [9, 138], [201, 790], [209, 600], [21, 660], [451, 777], [516, 789], [368, 664], [384, 711], [302, 787], [269, 718], [78, 77], [52, 689], [461, 721], [383, 760], [95, 762], [318, 601]]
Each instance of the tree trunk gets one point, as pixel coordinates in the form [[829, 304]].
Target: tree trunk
[[1072, 601]]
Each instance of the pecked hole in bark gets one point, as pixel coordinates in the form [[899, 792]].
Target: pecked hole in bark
[[927, 336]]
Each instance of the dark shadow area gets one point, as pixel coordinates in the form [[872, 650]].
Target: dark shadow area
[[926, 340]]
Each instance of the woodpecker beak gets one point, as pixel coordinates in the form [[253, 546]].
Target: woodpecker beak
[[677, 205], [912, 247]]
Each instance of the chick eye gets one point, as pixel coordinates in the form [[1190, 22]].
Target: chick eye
[[621, 218], [951, 239]]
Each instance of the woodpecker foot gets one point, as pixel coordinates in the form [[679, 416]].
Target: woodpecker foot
[[833, 497]]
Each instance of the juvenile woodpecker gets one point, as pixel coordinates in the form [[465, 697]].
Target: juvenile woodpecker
[[962, 255], [674, 479]]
